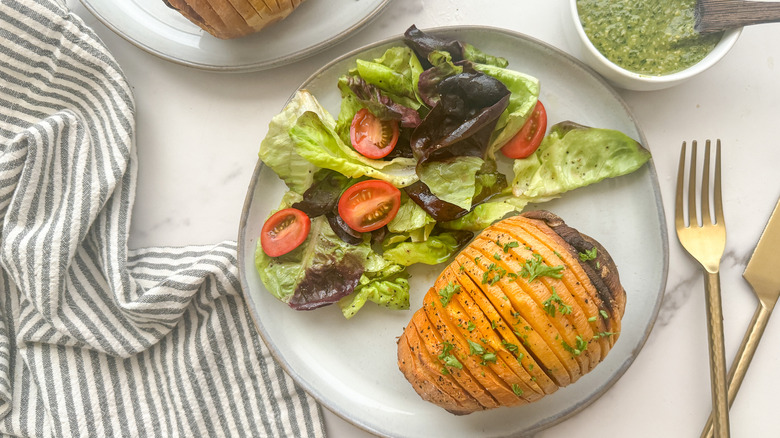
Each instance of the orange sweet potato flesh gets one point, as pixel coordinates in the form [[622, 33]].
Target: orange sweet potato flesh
[[529, 306]]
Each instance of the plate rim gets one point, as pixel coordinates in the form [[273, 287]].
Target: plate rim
[[620, 371], [242, 67]]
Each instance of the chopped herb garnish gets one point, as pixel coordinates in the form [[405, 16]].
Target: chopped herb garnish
[[604, 314], [589, 254], [470, 327], [570, 349], [497, 274], [602, 334], [478, 350], [581, 344], [549, 304], [509, 346], [558, 254], [447, 292], [461, 268], [447, 358], [509, 245], [497, 256], [489, 357], [475, 348], [517, 390], [535, 268], [592, 319]]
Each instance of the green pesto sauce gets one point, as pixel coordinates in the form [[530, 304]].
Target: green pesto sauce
[[653, 37]]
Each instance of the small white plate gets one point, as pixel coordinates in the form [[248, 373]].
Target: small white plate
[[350, 366], [314, 26]]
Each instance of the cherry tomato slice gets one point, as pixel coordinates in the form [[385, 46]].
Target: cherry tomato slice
[[369, 205], [527, 140], [284, 231], [372, 137]]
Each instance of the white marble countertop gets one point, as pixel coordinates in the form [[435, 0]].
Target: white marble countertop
[[198, 133]]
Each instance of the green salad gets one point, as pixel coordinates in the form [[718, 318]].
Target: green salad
[[408, 170]]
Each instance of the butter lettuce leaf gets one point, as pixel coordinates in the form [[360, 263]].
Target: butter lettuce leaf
[[435, 249], [484, 215], [573, 156], [388, 287], [317, 142], [277, 150], [410, 217], [452, 180], [396, 72]]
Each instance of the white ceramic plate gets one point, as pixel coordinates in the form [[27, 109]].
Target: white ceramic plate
[[350, 366], [313, 26]]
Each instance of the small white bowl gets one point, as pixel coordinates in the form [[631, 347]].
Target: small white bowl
[[629, 80]]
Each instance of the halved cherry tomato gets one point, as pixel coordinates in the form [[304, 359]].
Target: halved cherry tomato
[[372, 137], [284, 231], [369, 205], [527, 140]]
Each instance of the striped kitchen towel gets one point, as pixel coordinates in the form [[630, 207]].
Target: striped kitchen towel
[[97, 339]]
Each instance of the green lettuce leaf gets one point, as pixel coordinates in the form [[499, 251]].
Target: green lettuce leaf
[[410, 217], [277, 150], [573, 156], [388, 287], [434, 250], [452, 180], [483, 215], [396, 72], [319, 144], [476, 55]]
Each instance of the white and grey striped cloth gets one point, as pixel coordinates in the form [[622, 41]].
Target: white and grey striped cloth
[[97, 339]]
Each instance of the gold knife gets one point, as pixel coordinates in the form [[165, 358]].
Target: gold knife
[[762, 275]]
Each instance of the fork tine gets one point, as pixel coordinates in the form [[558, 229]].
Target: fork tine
[[705, 187], [679, 218], [692, 188], [719, 219]]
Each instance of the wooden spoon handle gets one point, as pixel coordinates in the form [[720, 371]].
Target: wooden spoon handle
[[719, 15]]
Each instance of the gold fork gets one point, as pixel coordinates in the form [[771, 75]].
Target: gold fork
[[760, 274], [706, 243]]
